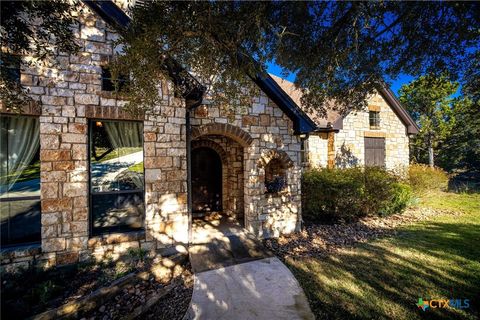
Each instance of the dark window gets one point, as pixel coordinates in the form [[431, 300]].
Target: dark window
[[108, 83], [275, 176], [20, 180], [10, 67], [375, 152], [116, 176], [374, 117]]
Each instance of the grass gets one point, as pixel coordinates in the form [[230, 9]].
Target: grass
[[383, 279], [31, 172], [115, 153], [138, 167]]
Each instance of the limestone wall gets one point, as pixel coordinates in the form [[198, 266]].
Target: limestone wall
[[269, 130], [349, 141], [70, 94]]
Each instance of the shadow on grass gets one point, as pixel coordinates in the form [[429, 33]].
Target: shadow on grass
[[465, 182], [384, 278]]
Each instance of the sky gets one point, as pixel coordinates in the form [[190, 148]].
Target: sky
[[395, 84]]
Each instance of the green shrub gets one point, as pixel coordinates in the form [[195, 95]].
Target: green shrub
[[401, 199], [423, 178], [341, 195]]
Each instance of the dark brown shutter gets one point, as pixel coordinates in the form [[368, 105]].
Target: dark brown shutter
[[375, 152]]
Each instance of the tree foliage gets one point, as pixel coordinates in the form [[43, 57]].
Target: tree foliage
[[429, 101], [38, 29], [461, 148], [452, 123], [337, 50]]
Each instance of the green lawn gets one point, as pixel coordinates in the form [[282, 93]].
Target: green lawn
[[30, 172], [383, 279], [138, 167], [115, 153]]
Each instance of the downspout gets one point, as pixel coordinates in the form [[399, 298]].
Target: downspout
[[189, 107]]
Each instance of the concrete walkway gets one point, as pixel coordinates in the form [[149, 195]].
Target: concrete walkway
[[236, 278]]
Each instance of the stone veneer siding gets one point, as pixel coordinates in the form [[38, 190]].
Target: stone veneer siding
[[70, 94], [349, 144], [260, 129]]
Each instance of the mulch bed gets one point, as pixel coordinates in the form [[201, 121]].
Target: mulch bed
[[171, 306], [322, 239], [33, 291], [175, 304]]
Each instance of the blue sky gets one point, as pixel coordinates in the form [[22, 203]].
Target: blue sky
[[396, 84]]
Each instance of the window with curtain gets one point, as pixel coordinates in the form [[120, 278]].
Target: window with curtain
[[20, 180], [116, 176]]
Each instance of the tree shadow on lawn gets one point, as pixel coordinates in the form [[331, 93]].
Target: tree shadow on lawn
[[385, 278]]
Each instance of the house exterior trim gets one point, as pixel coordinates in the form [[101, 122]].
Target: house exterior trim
[[387, 94]]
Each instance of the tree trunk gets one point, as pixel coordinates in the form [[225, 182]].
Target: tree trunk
[[430, 153]]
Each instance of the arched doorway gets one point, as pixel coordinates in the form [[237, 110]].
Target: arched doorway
[[206, 181]]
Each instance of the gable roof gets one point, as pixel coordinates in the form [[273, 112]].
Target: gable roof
[[392, 100], [334, 119], [302, 123], [117, 18]]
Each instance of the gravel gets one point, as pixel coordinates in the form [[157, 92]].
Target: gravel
[[175, 304], [171, 306], [321, 240]]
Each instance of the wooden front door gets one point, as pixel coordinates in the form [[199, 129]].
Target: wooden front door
[[206, 180], [375, 152]]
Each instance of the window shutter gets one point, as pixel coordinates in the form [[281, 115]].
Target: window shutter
[[375, 152]]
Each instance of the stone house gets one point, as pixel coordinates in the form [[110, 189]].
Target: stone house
[[378, 136], [82, 179]]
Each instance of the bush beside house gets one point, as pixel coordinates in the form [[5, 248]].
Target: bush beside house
[[342, 195], [423, 178]]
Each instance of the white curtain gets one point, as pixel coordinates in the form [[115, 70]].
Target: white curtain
[[123, 134], [20, 141]]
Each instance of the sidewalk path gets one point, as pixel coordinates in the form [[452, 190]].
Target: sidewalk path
[[236, 278]]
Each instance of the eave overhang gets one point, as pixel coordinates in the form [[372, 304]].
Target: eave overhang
[[389, 96], [301, 122]]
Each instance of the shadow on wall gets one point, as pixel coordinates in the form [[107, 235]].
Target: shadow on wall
[[345, 158]]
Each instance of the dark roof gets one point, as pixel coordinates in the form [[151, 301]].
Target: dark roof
[[392, 100], [116, 17], [301, 122], [332, 120]]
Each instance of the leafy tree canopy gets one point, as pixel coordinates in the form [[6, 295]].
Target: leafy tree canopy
[[337, 50], [460, 150], [446, 123], [39, 29]]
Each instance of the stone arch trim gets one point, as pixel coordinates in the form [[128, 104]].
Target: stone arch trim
[[275, 154], [212, 145], [223, 129]]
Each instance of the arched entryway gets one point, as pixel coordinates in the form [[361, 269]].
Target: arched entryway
[[206, 181]]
